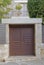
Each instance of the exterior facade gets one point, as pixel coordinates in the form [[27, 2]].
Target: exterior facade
[[21, 37]]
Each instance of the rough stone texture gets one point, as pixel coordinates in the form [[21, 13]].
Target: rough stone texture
[[4, 55], [3, 51], [38, 39], [42, 52], [32, 62], [20, 58]]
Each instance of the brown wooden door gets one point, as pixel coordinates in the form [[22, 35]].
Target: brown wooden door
[[21, 40]]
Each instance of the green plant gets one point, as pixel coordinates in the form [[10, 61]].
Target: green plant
[[4, 9], [18, 7], [36, 8]]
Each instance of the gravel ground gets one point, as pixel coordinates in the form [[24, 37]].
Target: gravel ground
[[33, 62]]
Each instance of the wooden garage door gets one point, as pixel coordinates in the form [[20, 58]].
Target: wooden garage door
[[21, 40]]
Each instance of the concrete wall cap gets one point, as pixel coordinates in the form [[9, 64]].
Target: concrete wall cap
[[22, 20]]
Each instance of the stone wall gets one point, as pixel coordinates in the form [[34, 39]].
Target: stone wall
[[3, 51], [25, 20], [42, 53], [38, 39]]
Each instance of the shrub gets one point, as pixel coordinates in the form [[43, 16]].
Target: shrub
[[36, 8]]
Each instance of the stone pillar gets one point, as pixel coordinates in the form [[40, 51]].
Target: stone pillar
[[7, 39], [38, 39]]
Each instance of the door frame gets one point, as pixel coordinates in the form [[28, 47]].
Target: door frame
[[24, 25], [38, 39]]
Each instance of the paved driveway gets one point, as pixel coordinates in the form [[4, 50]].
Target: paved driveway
[[33, 62]]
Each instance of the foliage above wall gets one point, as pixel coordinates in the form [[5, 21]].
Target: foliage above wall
[[36, 8], [18, 7], [3, 7]]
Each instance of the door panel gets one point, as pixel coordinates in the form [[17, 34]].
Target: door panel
[[14, 41], [21, 40], [27, 40]]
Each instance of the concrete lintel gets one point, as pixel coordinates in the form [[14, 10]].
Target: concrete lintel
[[22, 20]]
